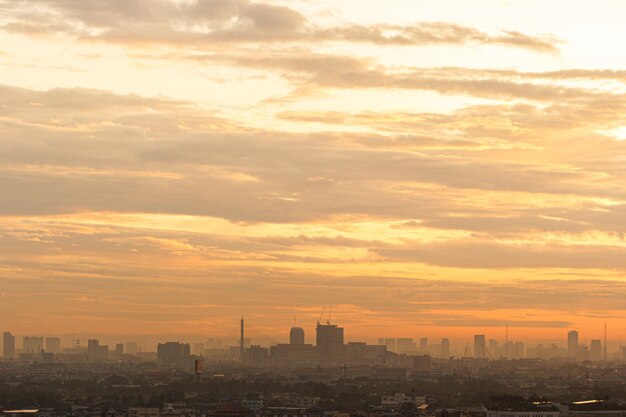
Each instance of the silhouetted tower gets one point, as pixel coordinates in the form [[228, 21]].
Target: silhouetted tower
[[480, 348], [445, 348], [296, 336], [572, 344], [605, 354], [241, 349]]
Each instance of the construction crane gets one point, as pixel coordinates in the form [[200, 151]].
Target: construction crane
[[329, 314], [319, 321]]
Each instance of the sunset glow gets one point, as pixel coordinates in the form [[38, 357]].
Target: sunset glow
[[435, 168]]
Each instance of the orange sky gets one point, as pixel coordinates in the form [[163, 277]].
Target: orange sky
[[431, 168]]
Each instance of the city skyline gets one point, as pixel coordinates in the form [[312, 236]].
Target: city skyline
[[483, 346], [440, 168]]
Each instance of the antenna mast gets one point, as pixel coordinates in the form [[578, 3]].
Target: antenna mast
[[605, 350]]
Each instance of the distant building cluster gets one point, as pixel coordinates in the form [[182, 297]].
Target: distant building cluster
[[330, 348]]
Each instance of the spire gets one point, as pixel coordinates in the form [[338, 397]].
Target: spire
[[605, 349], [241, 345]]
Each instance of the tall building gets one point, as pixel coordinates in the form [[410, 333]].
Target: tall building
[[480, 349], [173, 353], [296, 336], [595, 350], [509, 350], [32, 344], [445, 348], [97, 352], [423, 343], [131, 348], [329, 340], [405, 345], [119, 349], [493, 346], [572, 344], [519, 350], [9, 345], [241, 342], [53, 345], [257, 356], [391, 344]]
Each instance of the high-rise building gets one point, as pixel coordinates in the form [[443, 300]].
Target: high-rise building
[[131, 348], [480, 349], [296, 336], [572, 344], [595, 350], [173, 353], [97, 352], [519, 350], [9, 345], [257, 356], [329, 340], [493, 347], [445, 348], [119, 349], [405, 345], [241, 342], [423, 343], [392, 344], [583, 353], [508, 350], [53, 345], [32, 344]]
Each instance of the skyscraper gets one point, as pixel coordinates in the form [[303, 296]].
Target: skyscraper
[[296, 336], [572, 344], [392, 344], [445, 348], [53, 345], [480, 348], [405, 345], [329, 340], [32, 344], [595, 350], [97, 352], [493, 346], [9, 345], [173, 353], [131, 348], [241, 342]]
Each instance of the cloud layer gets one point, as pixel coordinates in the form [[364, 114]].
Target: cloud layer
[[506, 203]]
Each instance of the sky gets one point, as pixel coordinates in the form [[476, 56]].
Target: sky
[[429, 168]]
